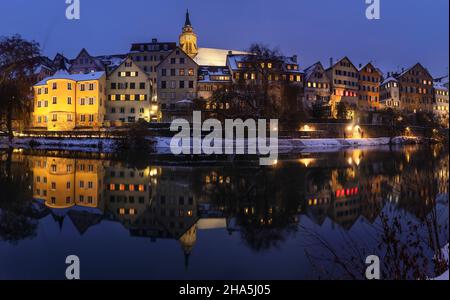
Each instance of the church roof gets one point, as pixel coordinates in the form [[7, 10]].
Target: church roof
[[214, 57]]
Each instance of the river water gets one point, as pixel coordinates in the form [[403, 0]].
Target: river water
[[311, 216]]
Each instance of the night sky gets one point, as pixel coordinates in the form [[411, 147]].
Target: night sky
[[409, 30]]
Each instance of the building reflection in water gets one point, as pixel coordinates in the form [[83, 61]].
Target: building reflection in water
[[263, 205]]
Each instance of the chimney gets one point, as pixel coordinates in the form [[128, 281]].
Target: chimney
[[294, 58], [331, 62], [230, 52], [360, 66], [154, 41]]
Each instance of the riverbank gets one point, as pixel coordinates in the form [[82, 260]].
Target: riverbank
[[162, 144]]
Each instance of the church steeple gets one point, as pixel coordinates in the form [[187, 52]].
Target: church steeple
[[188, 38], [188, 19]]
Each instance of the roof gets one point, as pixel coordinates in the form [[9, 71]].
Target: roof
[[112, 61], [440, 86], [361, 67], [207, 71], [168, 56], [412, 67], [234, 59], [74, 77], [311, 69], [214, 57], [339, 60], [389, 79], [153, 47]]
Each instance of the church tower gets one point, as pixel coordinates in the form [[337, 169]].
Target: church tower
[[188, 38]]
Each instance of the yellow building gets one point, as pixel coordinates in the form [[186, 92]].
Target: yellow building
[[66, 102]]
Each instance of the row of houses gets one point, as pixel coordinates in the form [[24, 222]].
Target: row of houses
[[159, 81]]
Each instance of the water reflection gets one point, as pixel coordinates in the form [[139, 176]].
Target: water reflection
[[265, 207]]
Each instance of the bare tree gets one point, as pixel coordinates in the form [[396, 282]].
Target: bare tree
[[18, 59]]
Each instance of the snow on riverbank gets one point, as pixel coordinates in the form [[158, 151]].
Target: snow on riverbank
[[310, 145], [85, 145], [162, 144]]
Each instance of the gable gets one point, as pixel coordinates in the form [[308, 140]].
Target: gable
[[174, 55]]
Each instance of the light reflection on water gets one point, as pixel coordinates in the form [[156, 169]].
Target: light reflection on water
[[311, 216]]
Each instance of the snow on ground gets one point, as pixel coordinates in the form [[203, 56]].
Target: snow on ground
[[162, 144], [86, 145]]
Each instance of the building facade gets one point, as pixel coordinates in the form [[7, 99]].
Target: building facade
[[369, 82], [440, 104], [390, 93], [416, 89], [129, 94], [317, 86], [344, 86], [177, 85], [148, 55], [66, 102]]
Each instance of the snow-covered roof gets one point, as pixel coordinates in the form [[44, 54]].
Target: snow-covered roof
[[234, 59], [439, 86], [389, 79], [75, 77], [206, 72], [214, 57]]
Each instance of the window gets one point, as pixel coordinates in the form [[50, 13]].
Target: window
[[82, 87], [54, 100], [69, 100], [54, 117], [113, 85], [69, 86], [173, 61], [132, 85], [91, 86], [82, 118], [82, 101], [182, 84], [91, 101], [91, 118], [191, 72], [54, 86], [182, 60], [163, 72], [163, 84], [69, 118], [191, 84], [142, 85]]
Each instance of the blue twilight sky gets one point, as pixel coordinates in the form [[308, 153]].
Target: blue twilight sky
[[409, 30]]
